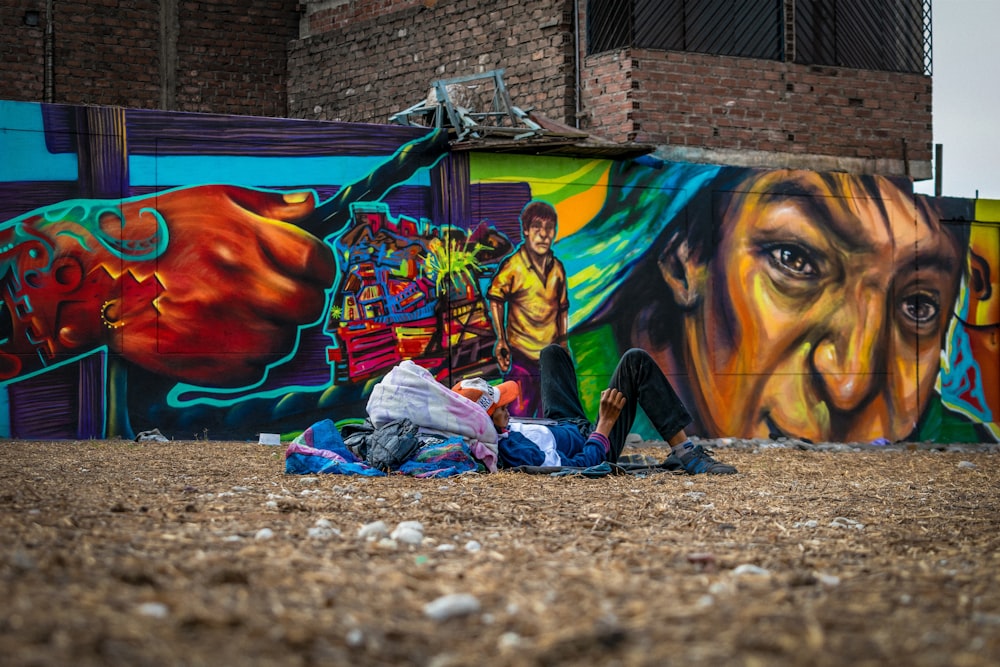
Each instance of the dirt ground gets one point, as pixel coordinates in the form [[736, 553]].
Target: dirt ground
[[206, 553]]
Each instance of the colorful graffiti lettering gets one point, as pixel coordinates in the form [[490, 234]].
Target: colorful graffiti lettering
[[411, 290]]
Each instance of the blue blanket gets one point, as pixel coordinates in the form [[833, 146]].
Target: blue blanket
[[320, 449]]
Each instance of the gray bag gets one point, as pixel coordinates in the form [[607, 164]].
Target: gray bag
[[392, 444]]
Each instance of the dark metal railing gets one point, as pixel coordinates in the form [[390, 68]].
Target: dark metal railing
[[891, 35]]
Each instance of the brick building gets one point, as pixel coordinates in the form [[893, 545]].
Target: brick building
[[779, 83], [221, 56]]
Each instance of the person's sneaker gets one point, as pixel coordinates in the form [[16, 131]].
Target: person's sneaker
[[698, 461], [672, 463]]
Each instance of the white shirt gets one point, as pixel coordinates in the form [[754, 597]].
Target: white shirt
[[542, 438]]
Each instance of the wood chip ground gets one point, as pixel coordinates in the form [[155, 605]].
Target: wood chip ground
[[206, 553]]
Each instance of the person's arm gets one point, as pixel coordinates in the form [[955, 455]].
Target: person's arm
[[597, 446], [562, 322], [501, 350], [612, 402], [594, 452]]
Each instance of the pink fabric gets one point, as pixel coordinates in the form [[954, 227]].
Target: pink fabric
[[410, 391]]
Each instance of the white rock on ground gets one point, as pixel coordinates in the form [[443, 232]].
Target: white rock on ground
[[449, 606]]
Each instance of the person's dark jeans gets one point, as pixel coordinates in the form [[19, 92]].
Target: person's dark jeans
[[637, 376]]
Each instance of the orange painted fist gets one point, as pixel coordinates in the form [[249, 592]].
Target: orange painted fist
[[205, 284]]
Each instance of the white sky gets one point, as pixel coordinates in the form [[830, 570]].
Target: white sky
[[966, 97]]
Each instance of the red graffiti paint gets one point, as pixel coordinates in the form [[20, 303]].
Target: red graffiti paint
[[206, 284]]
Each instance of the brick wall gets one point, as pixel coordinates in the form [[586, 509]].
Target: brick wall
[[717, 102], [106, 53], [231, 55], [224, 56], [363, 60], [22, 56], [608, 97]]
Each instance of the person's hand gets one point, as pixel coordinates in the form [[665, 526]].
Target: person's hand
[[205, 284], [501, 352], [612, 403]]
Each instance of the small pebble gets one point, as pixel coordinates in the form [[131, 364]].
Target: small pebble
[[967, 464], [264, 534], [411, 532], [472, 546], [407, 535], [752, 570], [153, 609], [981, 618], [719, 588], [23, 561], [449, 606], [827, 579], [373, 531], [323, 530]]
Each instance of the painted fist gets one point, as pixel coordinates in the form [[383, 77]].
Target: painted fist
[[206, 284]]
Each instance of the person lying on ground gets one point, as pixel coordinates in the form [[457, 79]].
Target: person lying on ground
[[568, 437], [570, 443]]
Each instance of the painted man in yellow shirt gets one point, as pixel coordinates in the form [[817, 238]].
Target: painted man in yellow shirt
[[529, 303]]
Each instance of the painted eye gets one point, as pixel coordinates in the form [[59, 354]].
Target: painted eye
[[793, 260], [920, 308]]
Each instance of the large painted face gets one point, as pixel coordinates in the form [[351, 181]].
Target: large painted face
[[822, 313]]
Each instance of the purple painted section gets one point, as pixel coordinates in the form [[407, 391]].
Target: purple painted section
[[499, 205], [91, 407], [45, 405], [19, 198], [211, 134]]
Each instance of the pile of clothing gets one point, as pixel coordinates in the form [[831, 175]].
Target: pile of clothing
[[415, 426]]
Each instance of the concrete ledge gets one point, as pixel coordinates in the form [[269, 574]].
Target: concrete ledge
[[918, 170]]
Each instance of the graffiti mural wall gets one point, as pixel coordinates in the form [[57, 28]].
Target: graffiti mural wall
[[217, 276]]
